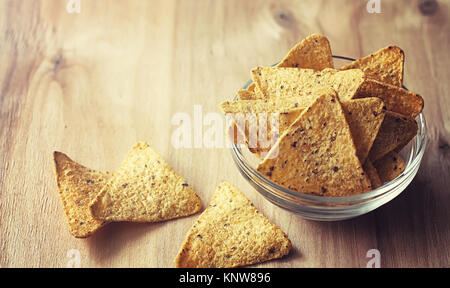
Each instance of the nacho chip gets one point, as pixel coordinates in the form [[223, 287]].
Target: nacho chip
[[258, 130], [283, 105], [390, 166], [313, 52], [316, 155], [385, 65], [231, 232], [145, 189], [251, 87], [395, 132], [396, 99], [372, 174], [250, 114], [364, 116], [246, 95], [273, 83], [78, 186]]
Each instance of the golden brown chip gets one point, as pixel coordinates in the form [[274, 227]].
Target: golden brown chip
[[364, 117], [385, 65], [373, 174], [390, 166], [265, 105], [316, 155], [395, 132], [254, 120], [313, 52], [231, 232], [145, 189], [396, 99], [78, 186], [246, 95], [273, 83], [279, 113], [251, 88]]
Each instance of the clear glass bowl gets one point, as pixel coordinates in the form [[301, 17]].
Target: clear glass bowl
[[333, 208]]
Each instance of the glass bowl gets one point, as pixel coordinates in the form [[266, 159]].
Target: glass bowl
[[333, 208]]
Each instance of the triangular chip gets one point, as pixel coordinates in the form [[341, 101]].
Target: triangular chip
[[282, 105], [78, 186], [385, 65], [372, 173], [390, 166], [251, 88], [145, 189], [316, 155], [231, 232], [291, 82], [313, 52], [249, 114], [364, 117], [396, 99], [395, 132], [246, 95]]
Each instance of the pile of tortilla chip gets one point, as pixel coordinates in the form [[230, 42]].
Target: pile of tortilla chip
[[323, 130], [144, 189]]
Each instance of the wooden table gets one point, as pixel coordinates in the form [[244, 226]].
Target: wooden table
[[92, 84]]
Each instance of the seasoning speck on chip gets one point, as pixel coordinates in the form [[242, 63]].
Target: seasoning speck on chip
[[390, 166]]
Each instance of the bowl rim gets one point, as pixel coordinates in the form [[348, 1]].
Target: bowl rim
[[411, 164]]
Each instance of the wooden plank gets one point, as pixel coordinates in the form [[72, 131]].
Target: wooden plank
[[94, 83]]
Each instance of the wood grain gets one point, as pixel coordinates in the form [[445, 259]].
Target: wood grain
[[94, 83]]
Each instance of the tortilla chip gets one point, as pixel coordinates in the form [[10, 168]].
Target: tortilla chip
[[313, 52], [251, 87], [283, 105], [255, 111], [145, 189], [390, 166], [385, 65], [373, 174], [278, 113], [364, 116], [396, 99], [231, 232], [273, 83], [395, 132], [78, 186], [316, 155], [246, 95], [248, 114]]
